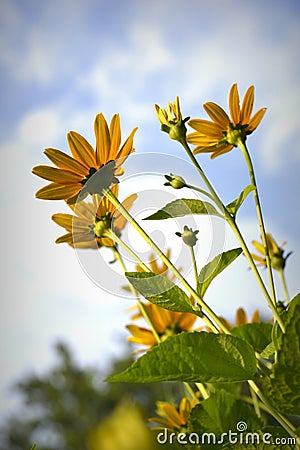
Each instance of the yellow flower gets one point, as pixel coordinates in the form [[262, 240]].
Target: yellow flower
[[224, 133], [175, 419], [166, 323], [241, 318], [171, 120], [86, 229], [275, 252], [72, 173]]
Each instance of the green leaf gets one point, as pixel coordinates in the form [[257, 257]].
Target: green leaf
[[233, 207], [220, 413], [257, 334], [269, 351], [161, 291], [214, 267], [33, 447], [283, 385], [195, 356], [184, 207]]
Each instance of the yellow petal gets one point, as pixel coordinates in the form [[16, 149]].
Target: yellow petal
[[221, 150], [234, 104], [256, 119], [240, 317], [64, 161], [115, 136], [217, 114], [187, 321], [102, 140], [201, 140], [259, 247], [127, 147], [59, 176], [207, 128], [247, 106], [172, 415], [81, 149], [272, 246], [63, 220], [255, 317], [66, 238], [54, 191]]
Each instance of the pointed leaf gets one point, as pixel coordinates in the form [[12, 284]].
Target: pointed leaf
[[220, 413], [214, 267], [235, 204], [161, 291], [195, 356], [184, 207], [257, 334]]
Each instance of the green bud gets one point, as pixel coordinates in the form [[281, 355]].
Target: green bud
[[188, 236], [176, 181]]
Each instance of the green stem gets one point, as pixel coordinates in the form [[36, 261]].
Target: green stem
[[237, 233], [255, 402], [194, 263], [195, 188], [140, 304], [246, 154], [109, 194], [285, 289]]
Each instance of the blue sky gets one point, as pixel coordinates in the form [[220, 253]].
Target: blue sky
[[64, 61]]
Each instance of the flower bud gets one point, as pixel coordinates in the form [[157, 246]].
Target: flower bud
[[176, 181], [188, 236]]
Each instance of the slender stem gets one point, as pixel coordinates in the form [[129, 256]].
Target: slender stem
[[246, 154], [109, 194], [237, 233], [194, 263], [123, 244], [195, 188], [140, 304], [255, 402], [285, 289]]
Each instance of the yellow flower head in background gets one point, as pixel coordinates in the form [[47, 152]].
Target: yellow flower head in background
[[276, 253], [241, 318], [224, 132], [71, 173], [166, 323], [86, 229], [175, 419]]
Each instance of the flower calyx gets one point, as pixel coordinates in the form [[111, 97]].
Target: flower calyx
[[176, 181], [188, 236]]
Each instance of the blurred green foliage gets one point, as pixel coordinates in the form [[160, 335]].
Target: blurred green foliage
[[71, 408]]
